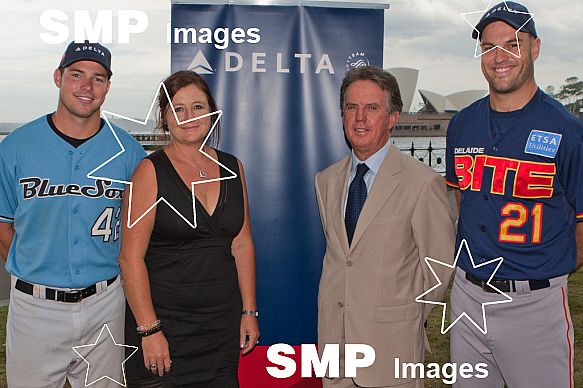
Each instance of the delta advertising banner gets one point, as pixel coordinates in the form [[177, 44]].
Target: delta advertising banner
[[276, 72]]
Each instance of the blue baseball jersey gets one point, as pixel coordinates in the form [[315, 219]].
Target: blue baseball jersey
[[521, 180], [67, 226]]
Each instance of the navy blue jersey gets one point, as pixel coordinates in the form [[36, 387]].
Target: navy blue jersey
[[521, 180]]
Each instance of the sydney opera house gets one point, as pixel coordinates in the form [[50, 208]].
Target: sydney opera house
[[432, 119]]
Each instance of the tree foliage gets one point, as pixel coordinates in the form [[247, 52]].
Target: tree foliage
[[570, 94]]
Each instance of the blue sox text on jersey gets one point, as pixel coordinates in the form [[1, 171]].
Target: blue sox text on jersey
[[33, 187]]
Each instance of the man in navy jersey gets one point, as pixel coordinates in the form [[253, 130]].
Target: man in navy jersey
[[59, 231], [515, 159]]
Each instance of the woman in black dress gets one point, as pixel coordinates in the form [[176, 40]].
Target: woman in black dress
[[187, 255]]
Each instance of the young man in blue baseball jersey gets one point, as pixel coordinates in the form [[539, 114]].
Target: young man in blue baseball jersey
[[60, 213], [515, 159]]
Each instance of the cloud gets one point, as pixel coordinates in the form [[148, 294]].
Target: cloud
[[27, 69], [429, 35]]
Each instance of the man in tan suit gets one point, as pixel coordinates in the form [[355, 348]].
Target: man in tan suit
[[382, 212]]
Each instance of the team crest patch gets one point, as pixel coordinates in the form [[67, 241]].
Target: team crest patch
[[543, 143]]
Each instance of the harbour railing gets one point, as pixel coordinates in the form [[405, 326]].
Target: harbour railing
[[432, 156]]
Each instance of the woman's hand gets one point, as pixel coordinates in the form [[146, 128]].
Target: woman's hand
[[249, 333], [156, 354]]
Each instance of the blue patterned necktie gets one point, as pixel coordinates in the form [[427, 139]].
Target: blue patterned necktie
[[356, 197]]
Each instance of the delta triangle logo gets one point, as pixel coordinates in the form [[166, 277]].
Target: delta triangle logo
[[200, 65]]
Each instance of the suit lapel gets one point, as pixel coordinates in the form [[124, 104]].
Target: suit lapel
[[384, 184], [340, 185]]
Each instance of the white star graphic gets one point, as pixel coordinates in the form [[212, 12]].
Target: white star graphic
[[420, 299], [192, 223], [84, 351], [477, 50]]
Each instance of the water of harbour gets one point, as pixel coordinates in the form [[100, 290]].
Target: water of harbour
[[401, 142], [420, 145]]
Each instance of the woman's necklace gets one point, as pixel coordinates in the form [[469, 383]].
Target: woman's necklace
[[201, 172]]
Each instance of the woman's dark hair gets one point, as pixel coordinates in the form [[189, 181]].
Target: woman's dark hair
[[176, 82]]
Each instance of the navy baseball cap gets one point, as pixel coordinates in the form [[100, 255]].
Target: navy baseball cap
[[511, 13], [86, 51]]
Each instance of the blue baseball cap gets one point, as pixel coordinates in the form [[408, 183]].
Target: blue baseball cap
[[509, 12], [86, 51]]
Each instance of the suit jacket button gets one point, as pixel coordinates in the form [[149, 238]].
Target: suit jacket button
[[340, 304], [349, 263]]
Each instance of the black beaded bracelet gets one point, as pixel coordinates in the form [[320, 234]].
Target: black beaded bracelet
[[151, 331]]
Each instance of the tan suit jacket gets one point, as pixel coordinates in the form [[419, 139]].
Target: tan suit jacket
[[368, 290]]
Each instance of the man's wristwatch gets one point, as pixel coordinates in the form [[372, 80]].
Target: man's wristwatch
[[250, 312]]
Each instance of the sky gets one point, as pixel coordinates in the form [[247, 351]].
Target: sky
[[429, 35]]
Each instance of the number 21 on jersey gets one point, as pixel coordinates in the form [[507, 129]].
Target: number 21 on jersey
[[516, 217]]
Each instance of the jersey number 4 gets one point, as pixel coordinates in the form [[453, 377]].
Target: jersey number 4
[[106, 224], [516, 217]]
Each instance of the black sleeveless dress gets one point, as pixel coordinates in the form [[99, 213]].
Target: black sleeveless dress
[[193, 281]]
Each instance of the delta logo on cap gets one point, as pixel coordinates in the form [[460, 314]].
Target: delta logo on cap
[[86, 51], [96, 49], [515, 15]]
